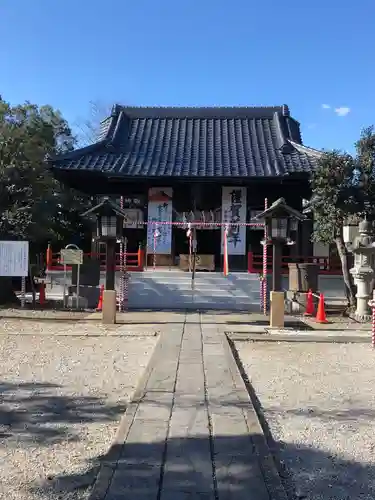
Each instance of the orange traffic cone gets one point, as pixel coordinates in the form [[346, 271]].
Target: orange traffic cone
[[42, 294], [321, 313], [100, 302], [309, 304]]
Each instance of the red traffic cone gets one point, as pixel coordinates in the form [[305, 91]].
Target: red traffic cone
[[100, 302], [321, 313], [42, 294], [309, 304]]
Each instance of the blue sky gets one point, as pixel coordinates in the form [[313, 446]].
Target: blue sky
[[196, 52]]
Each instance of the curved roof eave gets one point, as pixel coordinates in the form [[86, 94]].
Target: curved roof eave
[[307, 150], [78, 152]]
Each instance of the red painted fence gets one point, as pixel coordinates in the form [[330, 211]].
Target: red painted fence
[[134, 261], [326, 265]]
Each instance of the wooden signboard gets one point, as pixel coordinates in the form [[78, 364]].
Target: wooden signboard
[[71, 256]]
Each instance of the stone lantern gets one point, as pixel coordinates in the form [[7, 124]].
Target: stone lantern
[[282, 223], [109, 224], [359, 240]]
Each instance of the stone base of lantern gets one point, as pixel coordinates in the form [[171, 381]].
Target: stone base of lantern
[[363, 278]]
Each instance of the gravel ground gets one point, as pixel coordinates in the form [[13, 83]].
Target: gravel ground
[[61, 399], [80, 328], [42, 313], [319, 403]]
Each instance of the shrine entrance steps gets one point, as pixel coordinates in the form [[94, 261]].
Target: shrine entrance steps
[[172, 289]]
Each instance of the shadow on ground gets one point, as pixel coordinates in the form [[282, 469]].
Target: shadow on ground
[[33, 413], [316, 475], [36, 413]]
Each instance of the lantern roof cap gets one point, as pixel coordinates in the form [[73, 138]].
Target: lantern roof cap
[[365, 226], [280, 207], [105, 207]]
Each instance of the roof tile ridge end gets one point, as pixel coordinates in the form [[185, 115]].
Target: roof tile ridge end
[[306, 149], [281, 135], [78, 152], [115, 111], [285, 110], [113, 134]]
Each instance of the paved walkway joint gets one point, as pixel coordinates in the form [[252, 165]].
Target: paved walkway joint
[[190, 431]]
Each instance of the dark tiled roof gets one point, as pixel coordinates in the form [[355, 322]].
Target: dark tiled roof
[[195, 142]]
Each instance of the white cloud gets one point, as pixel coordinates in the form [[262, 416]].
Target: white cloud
[[342, 111], [326, 106]]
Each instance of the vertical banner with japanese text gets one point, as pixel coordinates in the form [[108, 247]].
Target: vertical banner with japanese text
[[159, 211], [233, 207]]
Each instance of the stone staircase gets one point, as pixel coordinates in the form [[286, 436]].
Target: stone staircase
[[173, 290]]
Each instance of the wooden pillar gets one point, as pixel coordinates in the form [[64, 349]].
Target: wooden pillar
[[110, 265], [276, 266], [94, 246]]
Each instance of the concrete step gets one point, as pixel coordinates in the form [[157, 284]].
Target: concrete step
[[171, 289]]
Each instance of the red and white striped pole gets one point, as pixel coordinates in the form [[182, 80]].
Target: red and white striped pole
[[125, 285], [189, 234], [264, 288], [155, 234], [372, 305], [121, 291], [261, 294], [225, 266]]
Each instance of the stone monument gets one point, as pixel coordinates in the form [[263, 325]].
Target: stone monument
[[363, 249]]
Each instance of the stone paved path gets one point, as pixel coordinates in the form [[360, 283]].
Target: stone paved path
[[190, 431]]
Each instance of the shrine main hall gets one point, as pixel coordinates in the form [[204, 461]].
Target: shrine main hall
[[219, 164]]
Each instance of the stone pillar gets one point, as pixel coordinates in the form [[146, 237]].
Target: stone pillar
[[277, 309], [109, 307], [363, 279]]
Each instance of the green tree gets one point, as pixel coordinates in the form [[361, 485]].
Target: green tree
[[343, 190], [365, 173], [33, 205]]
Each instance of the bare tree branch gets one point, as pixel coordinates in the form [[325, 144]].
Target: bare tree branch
[[88, 128]]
